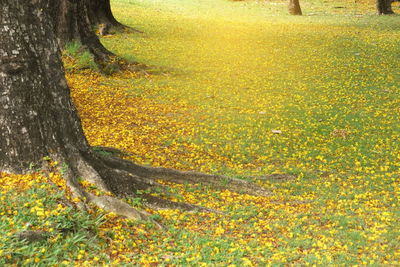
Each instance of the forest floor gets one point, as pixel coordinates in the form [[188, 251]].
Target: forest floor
[[240, 89]]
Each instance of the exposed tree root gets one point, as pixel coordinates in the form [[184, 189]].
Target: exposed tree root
[[277, 177], [115, 152], [134, 30], [182, 177], [106, 203], [110, 63], [119, 207], [46, 122], [124, 178], [32, 236], [122, 27]]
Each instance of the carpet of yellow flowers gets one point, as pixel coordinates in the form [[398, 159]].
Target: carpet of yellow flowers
[[239, 88]]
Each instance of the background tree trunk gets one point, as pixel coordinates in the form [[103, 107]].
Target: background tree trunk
[[384, 7], [294, 7], [72, 24], [100, 13]]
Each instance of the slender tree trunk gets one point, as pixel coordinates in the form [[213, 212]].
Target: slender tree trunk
[[294, 7], [384, 7]]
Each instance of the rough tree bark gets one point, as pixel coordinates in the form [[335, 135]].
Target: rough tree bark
[[38, 119], [100, 13], [101, 17], [384, 7], [72, 24], [294, 7]]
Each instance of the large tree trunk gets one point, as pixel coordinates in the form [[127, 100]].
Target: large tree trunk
[[38, 119], [294, 7], [384, 7], [100, 13], [101, 17], [72, 24]]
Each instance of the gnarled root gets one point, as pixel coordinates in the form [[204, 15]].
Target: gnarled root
[[124, 178], [182, 177]]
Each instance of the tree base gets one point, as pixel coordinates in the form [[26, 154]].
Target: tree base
[[116, 177]]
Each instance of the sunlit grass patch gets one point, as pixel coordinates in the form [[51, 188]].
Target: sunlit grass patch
[[40, 227], [251, 92], [238, 89], [76, 57]]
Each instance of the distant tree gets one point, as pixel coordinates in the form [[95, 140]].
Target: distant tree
[[294, 7], [38, 119], [384, 7]]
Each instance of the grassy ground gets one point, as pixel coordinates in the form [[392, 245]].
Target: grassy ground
[[237, 88]]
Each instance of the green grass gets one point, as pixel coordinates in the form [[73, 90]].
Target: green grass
[[68, 231], [250, 69], [328, 80], [79, 58]]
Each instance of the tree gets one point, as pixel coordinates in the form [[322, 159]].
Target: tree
[[72, 23], [75, 21], [39, 120], [384, 7], [99, 12], [294, 7]]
